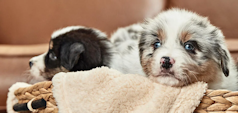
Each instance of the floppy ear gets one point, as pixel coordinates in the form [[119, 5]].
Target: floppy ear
[[224, 62], [70, 54]]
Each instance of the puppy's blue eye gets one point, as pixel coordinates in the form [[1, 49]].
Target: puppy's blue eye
[[189, 47], [157, 45], [52, 56]]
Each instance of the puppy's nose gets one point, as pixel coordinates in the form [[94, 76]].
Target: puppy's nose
[[30, 64], [167, 62]]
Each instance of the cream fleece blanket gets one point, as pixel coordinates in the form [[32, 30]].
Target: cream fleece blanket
[[104, 90]]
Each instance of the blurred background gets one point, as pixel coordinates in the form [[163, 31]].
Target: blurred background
[[26, 25]]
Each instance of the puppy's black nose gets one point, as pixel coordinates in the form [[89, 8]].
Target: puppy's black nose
[[30, 64], [167, 62]]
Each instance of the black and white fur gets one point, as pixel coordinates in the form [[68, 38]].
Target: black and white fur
[[197, 48], [74, 48], [77, 48]]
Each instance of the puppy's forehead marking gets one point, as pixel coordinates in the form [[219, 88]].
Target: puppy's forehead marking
[[70, 28], [161, 35], [64, 30], [185, 36]]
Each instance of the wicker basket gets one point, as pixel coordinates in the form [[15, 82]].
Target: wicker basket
[[214, 101], [41, 90]]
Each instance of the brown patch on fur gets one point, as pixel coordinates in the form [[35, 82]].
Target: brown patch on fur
[[49, 74], [51, 45], [185, 36], [146, 65], [207, 72], [161, 35]]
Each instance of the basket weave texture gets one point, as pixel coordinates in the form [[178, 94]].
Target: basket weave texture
[[219, 101], [214, 101], [38, 91]]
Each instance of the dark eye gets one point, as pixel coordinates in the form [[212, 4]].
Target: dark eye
[[52, 56], [189, 47], [157, 45]]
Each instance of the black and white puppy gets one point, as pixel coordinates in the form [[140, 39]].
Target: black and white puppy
[[179, 47], [73, 48]]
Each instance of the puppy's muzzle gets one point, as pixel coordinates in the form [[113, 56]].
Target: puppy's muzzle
[[167, 62]]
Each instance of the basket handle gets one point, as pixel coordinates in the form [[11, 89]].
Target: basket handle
[[30, 106]]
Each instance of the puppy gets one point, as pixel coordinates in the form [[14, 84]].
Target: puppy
[[78, 48], [179, 47], [73, 48]]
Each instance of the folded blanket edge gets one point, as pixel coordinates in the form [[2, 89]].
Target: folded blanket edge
[[11, 98]]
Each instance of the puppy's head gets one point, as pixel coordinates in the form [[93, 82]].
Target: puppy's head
[[179, 47], [72, 48]]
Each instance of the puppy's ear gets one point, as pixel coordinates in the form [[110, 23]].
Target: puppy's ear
[[70, 55], [224, 62]]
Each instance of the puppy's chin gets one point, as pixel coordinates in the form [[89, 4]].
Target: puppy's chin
[[35, 79], [169, 77], [46, 74], [167, 80]]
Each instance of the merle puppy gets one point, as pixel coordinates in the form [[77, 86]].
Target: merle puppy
[[179, 47]]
